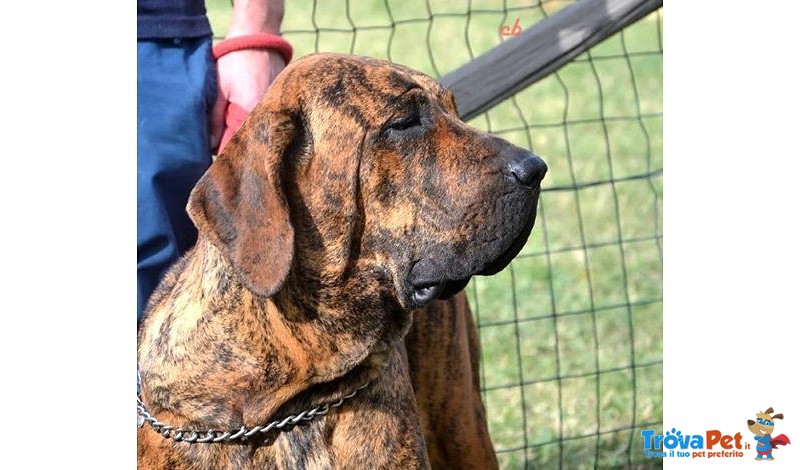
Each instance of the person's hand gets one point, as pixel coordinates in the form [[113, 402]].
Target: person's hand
[[243, 78]]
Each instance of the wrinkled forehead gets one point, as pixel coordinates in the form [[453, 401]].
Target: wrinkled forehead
[[391, 78], [352, 83]]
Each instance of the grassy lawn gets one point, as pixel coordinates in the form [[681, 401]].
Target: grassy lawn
[[571, 331]]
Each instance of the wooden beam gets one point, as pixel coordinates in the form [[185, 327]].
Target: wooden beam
[[539, 51]]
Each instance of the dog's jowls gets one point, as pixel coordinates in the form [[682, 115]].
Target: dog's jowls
[[352, 201]]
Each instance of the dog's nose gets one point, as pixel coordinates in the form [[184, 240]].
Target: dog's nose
[[527, 168]]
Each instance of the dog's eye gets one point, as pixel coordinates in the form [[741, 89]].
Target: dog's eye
[[405, 123]]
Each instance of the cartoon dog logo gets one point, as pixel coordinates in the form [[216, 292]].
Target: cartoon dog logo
[[762, 427]]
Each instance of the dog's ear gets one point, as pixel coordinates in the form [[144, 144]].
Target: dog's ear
[[777, 416], [769, 410], [240, 206]]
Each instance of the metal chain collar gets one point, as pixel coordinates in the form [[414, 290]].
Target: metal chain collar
[[193, 436]]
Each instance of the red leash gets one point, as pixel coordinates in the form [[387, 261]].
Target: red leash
[[254, 41]]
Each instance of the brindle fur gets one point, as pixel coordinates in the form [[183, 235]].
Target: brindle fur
[[294, 295]]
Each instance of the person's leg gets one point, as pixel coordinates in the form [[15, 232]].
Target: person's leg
[[176, 88]]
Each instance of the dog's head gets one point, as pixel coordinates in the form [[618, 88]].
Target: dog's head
[[765, 422], [355, 169]]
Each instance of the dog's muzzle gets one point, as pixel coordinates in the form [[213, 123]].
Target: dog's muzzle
[[432, 278]]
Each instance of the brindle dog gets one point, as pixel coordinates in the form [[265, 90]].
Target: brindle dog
[[351, 201]]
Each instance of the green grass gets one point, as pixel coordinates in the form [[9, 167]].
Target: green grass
[[571, 331]]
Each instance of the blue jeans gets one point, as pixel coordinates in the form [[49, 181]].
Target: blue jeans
[[176, 89]]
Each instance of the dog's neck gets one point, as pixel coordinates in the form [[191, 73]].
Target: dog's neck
[[254, 354]]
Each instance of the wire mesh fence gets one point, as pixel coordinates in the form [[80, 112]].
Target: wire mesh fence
[[571, 366]]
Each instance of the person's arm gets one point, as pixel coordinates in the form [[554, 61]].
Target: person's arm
[[244, 75]]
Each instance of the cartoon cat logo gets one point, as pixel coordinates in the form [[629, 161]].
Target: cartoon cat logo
[[762, 427]]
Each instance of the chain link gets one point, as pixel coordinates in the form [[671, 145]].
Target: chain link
[[194, 436]]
